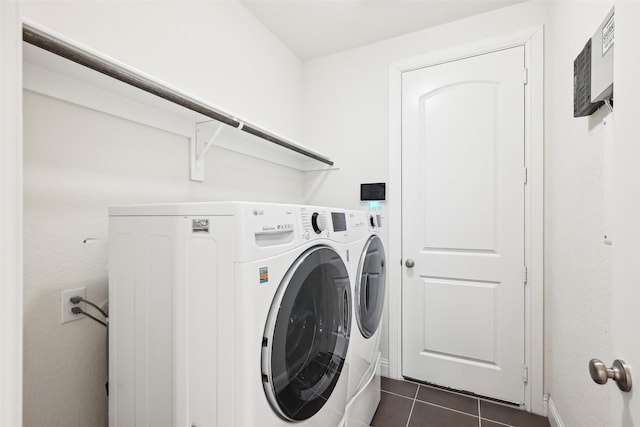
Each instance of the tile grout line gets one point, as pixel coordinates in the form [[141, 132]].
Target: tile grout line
[[412, 406], [447, 408], [396, 394], [479, 401], [444, 390], [431, 403], [415, 399], [460, 393], [488, 419]]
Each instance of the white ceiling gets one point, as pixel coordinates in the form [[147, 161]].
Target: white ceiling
[[315, 28]]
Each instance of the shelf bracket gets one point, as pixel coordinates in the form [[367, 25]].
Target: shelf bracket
[[199, 150], [209, 143]]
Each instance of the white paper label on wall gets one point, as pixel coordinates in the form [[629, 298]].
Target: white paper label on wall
[[607, 35]]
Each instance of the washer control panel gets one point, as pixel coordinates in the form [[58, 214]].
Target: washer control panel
[[273, 226], [322, 223], [315, 222]]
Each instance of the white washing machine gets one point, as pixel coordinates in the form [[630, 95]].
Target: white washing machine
[[368, 270], [228, 314]]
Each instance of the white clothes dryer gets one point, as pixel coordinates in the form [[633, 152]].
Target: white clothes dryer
[[368, 270], [228, 314]]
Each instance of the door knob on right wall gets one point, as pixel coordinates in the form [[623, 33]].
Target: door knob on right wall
[[619, 372]]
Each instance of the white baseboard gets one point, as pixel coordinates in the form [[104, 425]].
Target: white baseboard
[[384, 367], [554, 415]]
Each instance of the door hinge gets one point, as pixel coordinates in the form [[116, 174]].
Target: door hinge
[[526, 176], [525, 275], [526, 76], [525, 373]]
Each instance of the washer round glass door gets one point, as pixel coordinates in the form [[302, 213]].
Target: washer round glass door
[[307, 334], [370, 285]]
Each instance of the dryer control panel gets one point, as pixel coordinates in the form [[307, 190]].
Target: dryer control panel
[[362, 223]]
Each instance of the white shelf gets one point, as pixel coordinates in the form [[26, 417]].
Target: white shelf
[[158, 105]]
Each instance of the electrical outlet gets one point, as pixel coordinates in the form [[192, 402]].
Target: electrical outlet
[[66, 305]]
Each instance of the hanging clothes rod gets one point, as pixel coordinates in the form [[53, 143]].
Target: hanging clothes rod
[[73, 53]]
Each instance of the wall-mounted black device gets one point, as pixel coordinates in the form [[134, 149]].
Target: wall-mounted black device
[[375, 191], [593, 70], [582, 105]]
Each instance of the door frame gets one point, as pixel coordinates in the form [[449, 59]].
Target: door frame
[[11, 214], [533, 41]]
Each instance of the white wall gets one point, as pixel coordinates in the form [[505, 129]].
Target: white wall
[[79, 161], [215, 50], [10, 216], [626, 293], [346, 105], [578, 264]]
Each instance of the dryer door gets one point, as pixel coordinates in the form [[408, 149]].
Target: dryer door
[[307, 334], [370, 287]]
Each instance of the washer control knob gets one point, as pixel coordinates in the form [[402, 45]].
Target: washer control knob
[[372, 221], [318, 223]]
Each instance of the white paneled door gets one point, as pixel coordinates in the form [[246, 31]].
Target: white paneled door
[[463, 224]]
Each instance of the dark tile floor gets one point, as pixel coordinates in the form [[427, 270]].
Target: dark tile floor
[[409, 404]]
